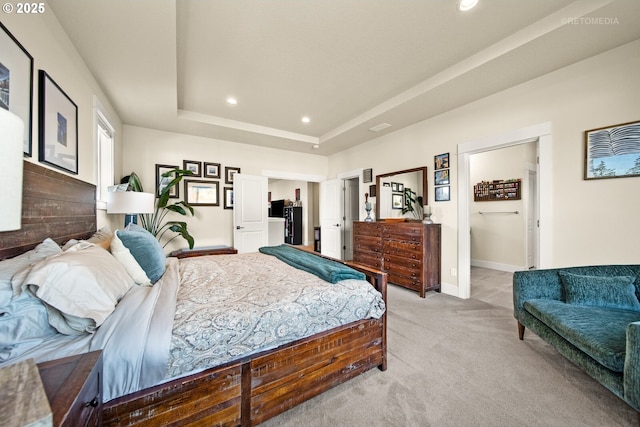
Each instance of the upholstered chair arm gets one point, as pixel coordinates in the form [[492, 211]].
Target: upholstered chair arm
[[535, 284], [632, 366]]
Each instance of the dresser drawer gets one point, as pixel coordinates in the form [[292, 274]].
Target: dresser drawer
[[404, 249], [411, 265], [370, 243], [412, 283], [366, 229], [370, 259], [405, 234]]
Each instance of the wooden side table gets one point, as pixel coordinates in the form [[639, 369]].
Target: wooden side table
[[204, 250], [74, 388]]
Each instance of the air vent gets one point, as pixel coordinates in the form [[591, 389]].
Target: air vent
[[378, 128]]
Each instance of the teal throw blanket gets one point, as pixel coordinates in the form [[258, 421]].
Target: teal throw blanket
[[328, 270]]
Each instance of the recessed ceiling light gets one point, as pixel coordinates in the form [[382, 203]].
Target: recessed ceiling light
[[306, 119], [465, 5], [232, 101], [378, 128], [315, 146]]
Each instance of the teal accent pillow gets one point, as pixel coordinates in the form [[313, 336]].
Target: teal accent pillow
[[146, 249], [600, 291]]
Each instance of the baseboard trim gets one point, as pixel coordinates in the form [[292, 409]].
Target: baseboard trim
[[497, 266]]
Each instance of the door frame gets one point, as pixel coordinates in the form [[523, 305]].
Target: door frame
[[540, 133]]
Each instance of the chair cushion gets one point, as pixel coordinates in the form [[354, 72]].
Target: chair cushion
[[600, 332], [600, 291]]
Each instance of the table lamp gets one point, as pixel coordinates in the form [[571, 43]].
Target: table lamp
[[130, 203]]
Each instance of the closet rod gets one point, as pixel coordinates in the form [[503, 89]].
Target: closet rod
[[499, 212]]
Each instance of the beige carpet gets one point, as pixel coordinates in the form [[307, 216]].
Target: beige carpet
[[456, 362]]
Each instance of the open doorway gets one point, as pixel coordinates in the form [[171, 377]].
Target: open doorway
[[544, 179]]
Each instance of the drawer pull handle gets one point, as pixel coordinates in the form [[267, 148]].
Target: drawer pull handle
[[94, 403]]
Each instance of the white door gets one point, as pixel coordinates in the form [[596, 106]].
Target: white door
[[250, 212], [331, 208], [351, 212], [532, 222]]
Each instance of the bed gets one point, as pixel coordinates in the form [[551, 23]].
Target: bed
[[242, 386]]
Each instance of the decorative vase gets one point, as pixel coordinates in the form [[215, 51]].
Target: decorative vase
[[427, 215], [367, 207]]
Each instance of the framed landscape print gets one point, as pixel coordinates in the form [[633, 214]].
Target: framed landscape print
[[612, 152], [397, 201], [441, 161], [193, 166], [58, 120], [211, 170], [16, 82], [441, 177], [201, 193], [162, 181], [443, 194]]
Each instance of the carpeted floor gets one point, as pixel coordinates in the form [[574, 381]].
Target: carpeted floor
[[454, 362]]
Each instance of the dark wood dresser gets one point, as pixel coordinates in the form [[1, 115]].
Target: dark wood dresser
[[408, 251]]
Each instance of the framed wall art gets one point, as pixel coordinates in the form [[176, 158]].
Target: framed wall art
[[228, 197], [201, 193], [228, 174], [211, 170], [163, 181], [193, 166], [16, 82], [441, 161], [367, 175], [613, 151], [58, 123], [397, 201], [441, 177], [443, 194]]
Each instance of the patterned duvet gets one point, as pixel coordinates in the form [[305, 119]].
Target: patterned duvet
[[230, 306]]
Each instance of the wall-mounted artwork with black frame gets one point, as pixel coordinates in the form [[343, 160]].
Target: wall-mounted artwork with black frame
[[228, 197], [162, 181], [58, 123], [228, 174], [211, 170], [612, 151], [16, 82], [397, 201], [201, 193], [194, 166], [367, 175], [441, 177], [441, 161], [443, 193]]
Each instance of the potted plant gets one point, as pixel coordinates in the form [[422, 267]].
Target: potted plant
[[411, 198], [156, 223]]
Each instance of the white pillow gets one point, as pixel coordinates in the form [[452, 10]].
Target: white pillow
[[80, 287], [123, 255]]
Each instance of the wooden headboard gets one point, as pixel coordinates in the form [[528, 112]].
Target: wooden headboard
[[53, 205]]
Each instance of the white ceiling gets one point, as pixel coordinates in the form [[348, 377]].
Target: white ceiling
[[347, 64]]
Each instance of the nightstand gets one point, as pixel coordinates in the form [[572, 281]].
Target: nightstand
[[204, 250], [74, 388]]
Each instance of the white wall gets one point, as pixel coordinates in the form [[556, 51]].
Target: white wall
[[594, 222], [212, 225], [45, 40]]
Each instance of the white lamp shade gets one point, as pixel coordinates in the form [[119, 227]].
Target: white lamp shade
[[130, 202], [11, 146]]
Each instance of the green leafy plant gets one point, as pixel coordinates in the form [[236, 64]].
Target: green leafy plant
[[156, 223], [412, 203]]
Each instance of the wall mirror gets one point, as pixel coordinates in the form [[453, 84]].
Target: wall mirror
[[391, 187]]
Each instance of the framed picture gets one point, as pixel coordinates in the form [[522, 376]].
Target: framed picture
[[367, 175], [400, 187], [386, 184], [394, 186], [193, 166], [228, 197], [397, 201], [372, 190], [162, 181], [58, 122], [228, 174], [612, 152], [201, 193], [442, 177], [297, 194], [442, 194], [16, 82], [211, 170], [441, 161]]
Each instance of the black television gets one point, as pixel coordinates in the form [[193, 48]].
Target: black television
[[277, 209]]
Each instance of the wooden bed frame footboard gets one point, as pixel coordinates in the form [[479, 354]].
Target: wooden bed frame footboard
[[250, 391]]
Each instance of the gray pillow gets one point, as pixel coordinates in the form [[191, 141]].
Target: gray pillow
[[600, 291]]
